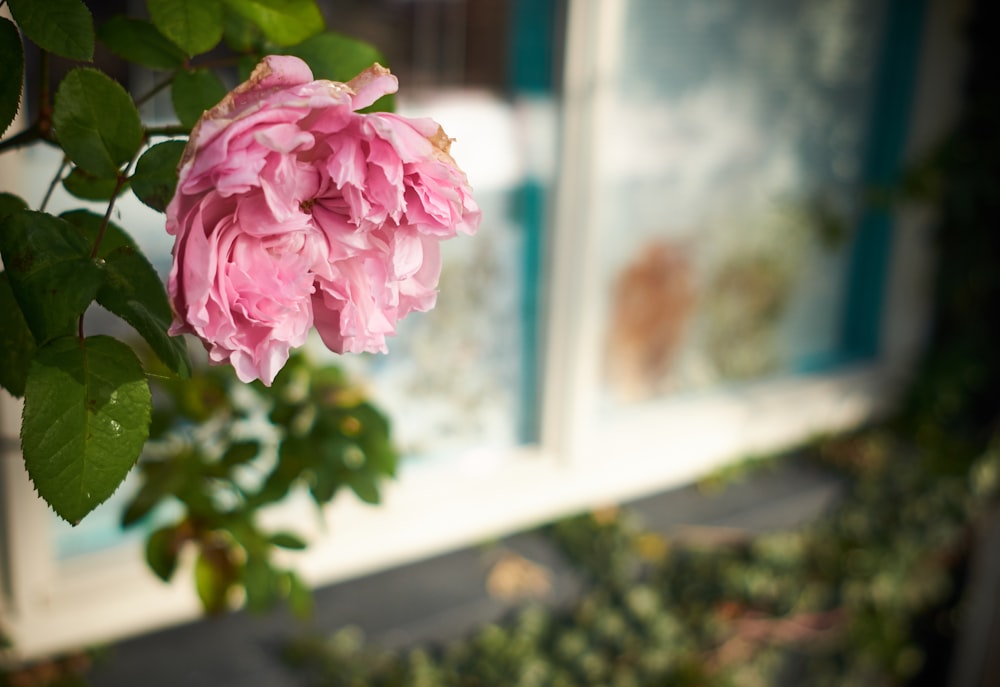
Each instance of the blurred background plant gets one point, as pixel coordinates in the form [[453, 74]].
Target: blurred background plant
[[865, 596], [221, 451]]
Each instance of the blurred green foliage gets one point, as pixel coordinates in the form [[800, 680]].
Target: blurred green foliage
[[221, 452], [843, 601]]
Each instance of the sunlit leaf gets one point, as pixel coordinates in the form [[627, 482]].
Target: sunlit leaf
[[213, 578], [337, 57], [284, 22], [194, 25], [86, 417]]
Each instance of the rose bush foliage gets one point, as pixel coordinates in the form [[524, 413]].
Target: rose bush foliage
[[295, 210]]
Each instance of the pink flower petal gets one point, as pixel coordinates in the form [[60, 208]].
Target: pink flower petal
[[294, 211]]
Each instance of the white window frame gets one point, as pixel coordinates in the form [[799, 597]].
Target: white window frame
[[49, 605]]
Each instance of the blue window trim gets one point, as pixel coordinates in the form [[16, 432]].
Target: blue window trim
[[531, 67], [532, 46], [868, 262]]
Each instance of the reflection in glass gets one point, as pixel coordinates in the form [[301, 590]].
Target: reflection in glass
[[730, 179]]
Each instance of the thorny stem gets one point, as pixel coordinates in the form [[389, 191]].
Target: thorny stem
[[122, 179], [30, 135], [52, 185], [44, 99]]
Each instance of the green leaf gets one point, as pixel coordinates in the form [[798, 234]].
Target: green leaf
[[284, 22], [287, 540], [155, 177], [12, 74], [152, 492], [87, 186], [337, 57], [260, 582], [194, 92], [10, 203], [374, 439], [138, 41], [300, 598], [240, 452], [363, 484], [64, 27], [162, 550], [17, 345], [325, 485], [275, 487], [50, 271], [194, 25], [199, 398], [96, 122], [87, 226], [241, 35], [86, 417], [132, 290], [213, 579]]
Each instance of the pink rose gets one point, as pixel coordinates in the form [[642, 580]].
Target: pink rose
[[294, 210]]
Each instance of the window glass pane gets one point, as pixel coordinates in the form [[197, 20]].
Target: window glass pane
[[730, 182], [456, 381], [452, 381]]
